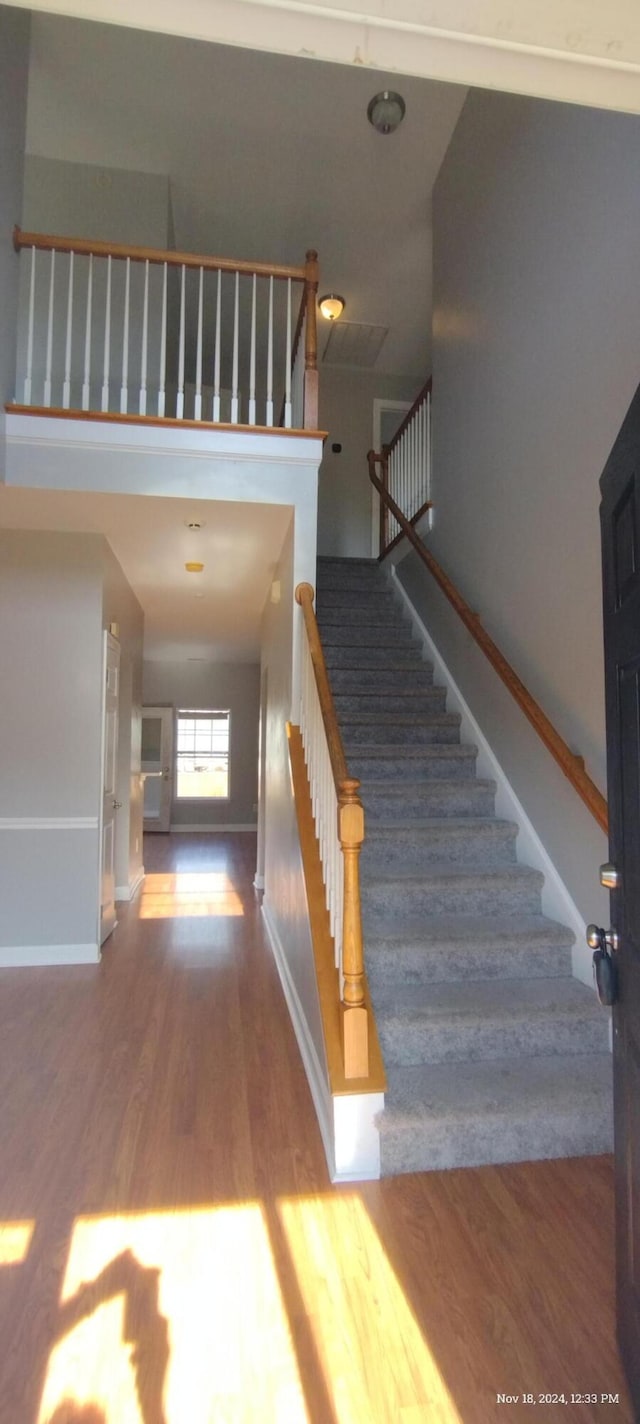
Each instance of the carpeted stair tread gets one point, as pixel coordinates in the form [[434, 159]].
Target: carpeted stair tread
[[469, 948], [407, 657], [444, 888], [380, 679], [372, 704], [388, 800], [465, 1114], [440, 1023], [462, 840], [390, 731]]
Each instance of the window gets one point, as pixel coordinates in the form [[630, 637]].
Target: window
[[202, 755]]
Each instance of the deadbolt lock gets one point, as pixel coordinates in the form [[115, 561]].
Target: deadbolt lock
[[609, 877]]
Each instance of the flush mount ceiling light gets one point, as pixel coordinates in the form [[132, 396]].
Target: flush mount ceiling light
[[331, 306], [194, 568], [386, 111], [194, 523]]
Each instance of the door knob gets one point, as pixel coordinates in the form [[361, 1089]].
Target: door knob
[[604, 943], [117, 805], [609, 877]]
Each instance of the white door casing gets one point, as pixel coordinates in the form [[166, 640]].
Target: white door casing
[[387, 416], [157, 767], [109, 804]]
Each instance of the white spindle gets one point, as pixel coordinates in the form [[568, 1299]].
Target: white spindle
[[269, 410], [234, 382], [86, 382], [198, 397], [429, 458], [32, 291], [124, 388], [66, 384], [107, 340], [180, 396], [142, 405], [47, 377], [216, 359], [163, 344], [252, 358], [287, 369]]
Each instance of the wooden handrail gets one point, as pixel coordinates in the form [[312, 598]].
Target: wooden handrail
[[351, 836], [83, 247], [421, 396], [569, 763]]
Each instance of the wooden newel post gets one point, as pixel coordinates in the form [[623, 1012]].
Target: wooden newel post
[[311, 342], [354, 1012]]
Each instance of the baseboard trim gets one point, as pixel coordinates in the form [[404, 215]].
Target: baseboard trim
[[347, 1124], [557, 901], [129, 892], [31, 956], [230, 826]]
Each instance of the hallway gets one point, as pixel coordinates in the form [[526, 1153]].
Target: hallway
[[171, 1249]]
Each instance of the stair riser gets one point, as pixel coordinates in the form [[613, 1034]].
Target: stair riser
[[371, 601], [366, 704], [414, 769], [474, 1143], [416, 848], [388, 902], [421, 965], [373, 612], [461, 799], [387, 635], [399, 734], [377, 680], [404, 659], [407, 1043]]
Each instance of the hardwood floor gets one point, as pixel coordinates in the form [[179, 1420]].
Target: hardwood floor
[[171, 1249]]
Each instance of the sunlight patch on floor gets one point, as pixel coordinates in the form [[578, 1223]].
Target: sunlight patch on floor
[[188, 894], [376, 1362], [175, 1317], [15, 1240]]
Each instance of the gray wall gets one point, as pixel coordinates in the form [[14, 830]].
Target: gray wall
[[215, 685], [120, 605], [345, 492], [14, 69], [50, 718], [535, 338]]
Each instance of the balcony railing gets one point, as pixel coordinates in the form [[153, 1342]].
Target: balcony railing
[[139, 332]]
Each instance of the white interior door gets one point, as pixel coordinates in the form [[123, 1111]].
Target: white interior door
[[156, 765], [111, 688]]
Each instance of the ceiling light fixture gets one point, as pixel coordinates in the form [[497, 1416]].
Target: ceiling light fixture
[[331, 306], [193, 568], [386, 111], [194, 523]]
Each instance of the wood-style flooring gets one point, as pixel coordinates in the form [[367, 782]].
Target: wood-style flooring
[[171, 1249]]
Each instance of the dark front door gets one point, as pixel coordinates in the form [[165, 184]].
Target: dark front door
[[620, 516]]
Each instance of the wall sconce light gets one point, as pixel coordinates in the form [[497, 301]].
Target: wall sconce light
[[331, 306], [193, 568]]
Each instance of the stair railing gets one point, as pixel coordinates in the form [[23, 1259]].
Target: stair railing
[[406, 469], [339, 822], [144, 333], [572, 765]]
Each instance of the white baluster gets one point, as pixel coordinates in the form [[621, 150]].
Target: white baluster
[[142, 406], [287, 369], [429, 458], [66, 384], [234, 383], [86, 382], [269, 410], [252, 358], [32, 289], [124, 392], [180, 396], [197, 413], [47, 377], [163, 344], [216, 361], [107, 340]]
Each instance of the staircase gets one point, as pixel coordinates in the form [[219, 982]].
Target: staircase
[[494, 1053]]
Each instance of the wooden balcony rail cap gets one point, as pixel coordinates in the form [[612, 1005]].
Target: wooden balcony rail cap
[[569, 763], [85, 247]]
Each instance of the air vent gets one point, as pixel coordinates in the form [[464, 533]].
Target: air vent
[[353, 343]]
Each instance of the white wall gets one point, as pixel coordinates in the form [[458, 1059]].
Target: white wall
[[119, 605], [220, 686], [345, 491], [50, 652], [14, 64], [535, 340]]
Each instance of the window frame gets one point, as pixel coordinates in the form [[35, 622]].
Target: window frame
[[205, 713]]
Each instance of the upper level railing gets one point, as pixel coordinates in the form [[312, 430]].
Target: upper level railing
[[572, 765], [135, 331], [339, 823], [406, 469]]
